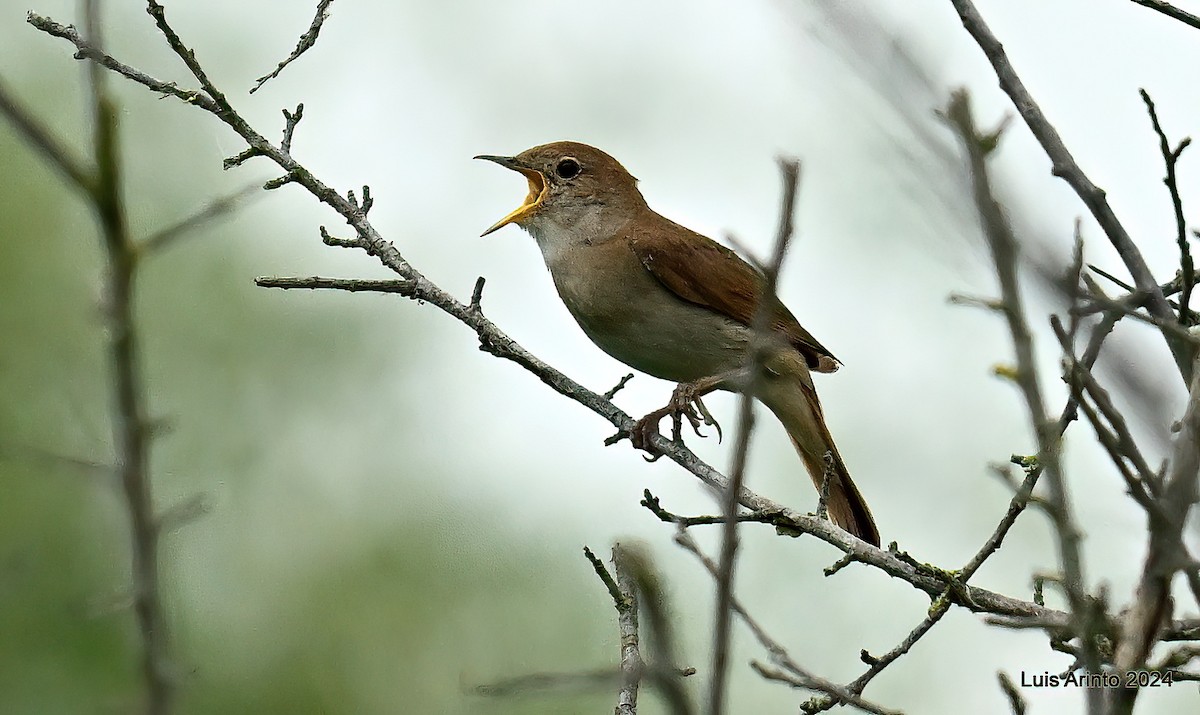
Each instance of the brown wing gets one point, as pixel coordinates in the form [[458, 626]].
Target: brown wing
[[691, 266]]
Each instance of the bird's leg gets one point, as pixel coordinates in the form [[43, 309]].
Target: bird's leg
[[685, 403]]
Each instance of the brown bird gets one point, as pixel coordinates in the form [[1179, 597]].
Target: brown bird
[[669, 302]]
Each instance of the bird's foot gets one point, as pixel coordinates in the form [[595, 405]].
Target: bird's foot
[[686, 404]]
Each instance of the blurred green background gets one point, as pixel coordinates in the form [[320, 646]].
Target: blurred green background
[[394, 517]]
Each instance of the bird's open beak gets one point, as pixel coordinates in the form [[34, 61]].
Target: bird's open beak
[[537, 190]]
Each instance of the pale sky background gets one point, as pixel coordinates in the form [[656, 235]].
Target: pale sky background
[[696, 100]]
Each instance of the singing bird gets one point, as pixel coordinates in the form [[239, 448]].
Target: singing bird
[[672, 303]]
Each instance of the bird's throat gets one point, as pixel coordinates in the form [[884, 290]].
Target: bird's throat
[[538, 188]]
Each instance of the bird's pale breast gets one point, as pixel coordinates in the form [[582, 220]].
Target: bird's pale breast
[[635, 319]]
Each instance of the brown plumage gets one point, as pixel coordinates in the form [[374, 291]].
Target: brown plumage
[[704, 272], [672, 303]]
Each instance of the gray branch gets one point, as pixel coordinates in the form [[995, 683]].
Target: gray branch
[[1004, 248], [1065, 167]]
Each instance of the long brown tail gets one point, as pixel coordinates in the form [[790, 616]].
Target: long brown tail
[[794, 402]]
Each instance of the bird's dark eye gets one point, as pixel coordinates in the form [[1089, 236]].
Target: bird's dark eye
[[567, 168]]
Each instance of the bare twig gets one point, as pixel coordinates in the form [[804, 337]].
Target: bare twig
[[307, 40], [1065, 167], [632, 665], [1169, 326], [634, 578], [1119, 441], [1171, 160], [291, 120], [1136, 298], [778, 653], [619, 598], [165, 237], [810, 682], [652, 503], [131, 436], [477, 303], [758, 353], [1004, 249], [82, 466], [335, 242], [1171, 11], [878, 664], [548, 683], [350, 285], [823, 495], [61, 158], [1015, 702], [1140, 626], [612, 392], [636, 575]]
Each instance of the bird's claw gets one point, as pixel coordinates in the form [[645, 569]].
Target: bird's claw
[[685, 403]]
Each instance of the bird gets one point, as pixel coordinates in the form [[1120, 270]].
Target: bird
[[674, 304]]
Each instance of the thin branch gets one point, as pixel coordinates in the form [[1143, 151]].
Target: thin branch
[[307, 40], [548, 682], [1004, 249], [1015, 702], [1171, 160], [44, 458], [1137, 299], [619, 598], [1171, 11], [131, 430], [1117, 281], [612, 392], [632, 666], [1065, 167], [1126, 443], [335, 242], [1169, 326], [221, 206], [131, 433], [878, 664], [811, 682], [290, 121], [636, 575], [85, 51], [61, 158], [1152, 605], [778, 653], [350, 285], [477, 306], [760, 345], [653, 504]]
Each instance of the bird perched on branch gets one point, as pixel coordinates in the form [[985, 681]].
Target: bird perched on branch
[[674, 304]]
